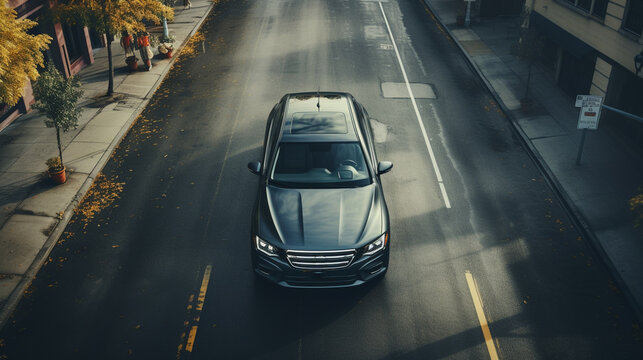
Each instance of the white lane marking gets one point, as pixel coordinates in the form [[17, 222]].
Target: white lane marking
[[417, 112], [444, 193], [477, 303]]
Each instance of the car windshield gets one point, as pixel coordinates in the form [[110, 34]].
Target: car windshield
[[315, 164]]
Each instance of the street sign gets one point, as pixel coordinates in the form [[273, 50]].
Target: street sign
[[581, 98], [590, 111]]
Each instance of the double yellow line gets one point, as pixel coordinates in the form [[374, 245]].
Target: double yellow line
[[189, 345]]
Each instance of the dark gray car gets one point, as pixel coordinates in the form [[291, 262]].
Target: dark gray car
[[320, 218]]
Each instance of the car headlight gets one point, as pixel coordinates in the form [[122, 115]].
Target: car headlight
[[265, 247], [378, 245]]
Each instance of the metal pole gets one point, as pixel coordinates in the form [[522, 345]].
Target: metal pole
[[166, 31], [626, 114], [467, 18], [580, 148]]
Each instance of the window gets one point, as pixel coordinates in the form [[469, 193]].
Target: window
[[40, 29], [600, 6], [318, 123], [594, 7], [584, 4], [316, 165], [634, 17], [72, 34]]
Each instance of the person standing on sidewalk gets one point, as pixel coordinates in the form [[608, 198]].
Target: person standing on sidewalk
[[186, 4], [144, 48], [127, 42]]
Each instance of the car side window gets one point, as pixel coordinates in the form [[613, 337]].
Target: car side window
[[365, 125], [270, 130]]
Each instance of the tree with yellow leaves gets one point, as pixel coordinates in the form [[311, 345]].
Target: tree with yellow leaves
[[20, 54], [110, 17]]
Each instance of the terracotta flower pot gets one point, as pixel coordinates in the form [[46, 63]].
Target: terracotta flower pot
[[132, 62], [59, 177], [169, 53]]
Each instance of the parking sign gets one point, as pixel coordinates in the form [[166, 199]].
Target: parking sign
[[590, 111]]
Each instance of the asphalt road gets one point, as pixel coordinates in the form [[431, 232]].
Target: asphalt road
[[156, 262]]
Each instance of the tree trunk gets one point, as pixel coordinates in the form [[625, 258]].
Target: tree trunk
[[60, 150], [110, 86]]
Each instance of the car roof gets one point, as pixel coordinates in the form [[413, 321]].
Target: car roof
[[318, 117]]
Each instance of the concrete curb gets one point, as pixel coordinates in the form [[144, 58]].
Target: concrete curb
[[568, 205], [41, 257]]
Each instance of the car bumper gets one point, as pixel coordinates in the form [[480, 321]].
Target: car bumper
[[280, 272]]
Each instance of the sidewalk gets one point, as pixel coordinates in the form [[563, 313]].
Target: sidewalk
[[34, 211], [596, 192]]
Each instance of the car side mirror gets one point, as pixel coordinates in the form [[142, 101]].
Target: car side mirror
[[384, 166], [255, 167]]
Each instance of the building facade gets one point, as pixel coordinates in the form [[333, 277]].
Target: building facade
[[592, 47], [70, 50]]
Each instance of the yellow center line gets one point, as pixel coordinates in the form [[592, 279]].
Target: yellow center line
[[200, 301], [190, 343], [477, 303], [204, 288]]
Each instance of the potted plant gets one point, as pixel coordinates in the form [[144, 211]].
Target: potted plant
[[132, 62], [166, 49], [56, 170], [165, 46], [57, 98], [528, 47]]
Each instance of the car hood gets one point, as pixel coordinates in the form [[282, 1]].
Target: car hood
[[321, 219]]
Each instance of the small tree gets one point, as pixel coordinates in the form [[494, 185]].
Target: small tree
[[529, 45], [20, 54], [109, 17], [57, 98]]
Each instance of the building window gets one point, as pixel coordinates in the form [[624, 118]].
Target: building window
[[584, 4], [40, 28], [599, 8], [594, 7], [73, 40], [634, 17]]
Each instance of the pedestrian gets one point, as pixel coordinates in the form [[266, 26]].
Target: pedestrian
[[127, 42], [186, 4], [144, 48]]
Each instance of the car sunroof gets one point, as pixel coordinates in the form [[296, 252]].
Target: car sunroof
[[318, 123]]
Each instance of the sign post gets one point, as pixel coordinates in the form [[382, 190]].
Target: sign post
[[467, 17], [588, 119]]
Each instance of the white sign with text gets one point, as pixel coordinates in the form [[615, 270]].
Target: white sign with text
[[590, 111]]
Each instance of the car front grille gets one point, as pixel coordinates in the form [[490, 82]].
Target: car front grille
[[320, 260], [321, 280]]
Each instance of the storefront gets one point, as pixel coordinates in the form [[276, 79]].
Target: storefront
[[70, 50], [572, 60]]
